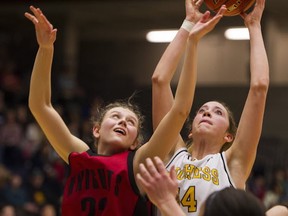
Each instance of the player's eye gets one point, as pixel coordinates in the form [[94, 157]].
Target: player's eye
[[218, 112]]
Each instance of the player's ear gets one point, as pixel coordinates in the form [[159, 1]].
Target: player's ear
[[190, 135], [228, 137], [135, 145], [96, 131]]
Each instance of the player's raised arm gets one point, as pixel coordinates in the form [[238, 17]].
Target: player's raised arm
[[162, 96], [167, 132], [241, 155], [40, 90]]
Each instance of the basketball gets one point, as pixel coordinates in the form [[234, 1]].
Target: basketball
[[234, 7]]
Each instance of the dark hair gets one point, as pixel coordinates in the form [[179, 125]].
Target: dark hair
[[232, 129], [231, 201], [100, 111]]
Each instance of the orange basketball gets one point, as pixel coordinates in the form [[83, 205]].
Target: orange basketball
[[234, 7]]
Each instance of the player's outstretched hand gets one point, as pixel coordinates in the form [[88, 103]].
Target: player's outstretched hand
[[160, 186], [45, 33]]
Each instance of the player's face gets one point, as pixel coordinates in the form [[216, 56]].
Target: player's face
[[211, 118], [119, 129]]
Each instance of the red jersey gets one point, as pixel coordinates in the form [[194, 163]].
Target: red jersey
[[103, 185]]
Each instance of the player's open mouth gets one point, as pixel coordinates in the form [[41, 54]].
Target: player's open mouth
[[120, 130]]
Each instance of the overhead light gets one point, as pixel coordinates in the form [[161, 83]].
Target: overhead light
[[161, 36], [166, 36], [237, 34]]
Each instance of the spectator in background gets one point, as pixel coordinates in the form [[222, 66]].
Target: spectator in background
[[10, 83], [281, 177], [273, 195], [5, 175], [2, 108], [48, 210], [15, 192], [258, 186], [40, 189], [11, 136], [8, 210]]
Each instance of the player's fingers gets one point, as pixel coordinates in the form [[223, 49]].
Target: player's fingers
[[141, 181], [43, 19], [173, 173], [35, 11], [151, 167], [198, 3], [159, 165], [205, 17], [243, 15], [222, 10], [144, 172], [218, 16], [39, 15], [31, 18]]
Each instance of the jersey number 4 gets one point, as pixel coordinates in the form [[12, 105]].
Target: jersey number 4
[[188, 200]]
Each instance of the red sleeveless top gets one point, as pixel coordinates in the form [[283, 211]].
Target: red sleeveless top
[[103, 185]]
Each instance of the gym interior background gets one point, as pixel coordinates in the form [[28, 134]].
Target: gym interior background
[[101, 53]]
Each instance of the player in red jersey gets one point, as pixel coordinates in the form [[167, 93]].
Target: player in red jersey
[[103, 183]]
